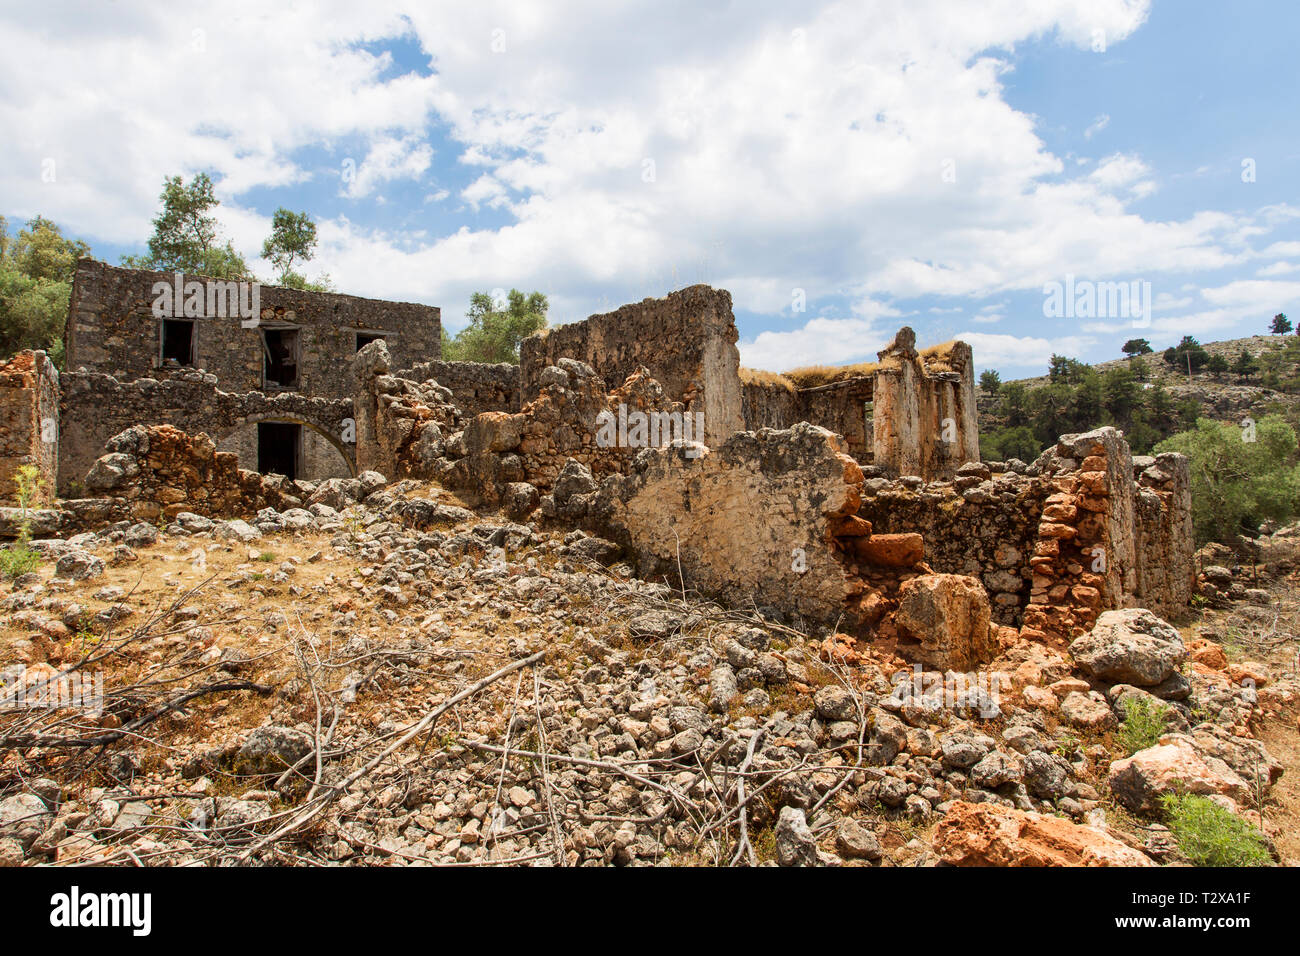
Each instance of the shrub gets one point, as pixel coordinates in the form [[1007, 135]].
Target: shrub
[[1209, 835], [1240, 475], [1144, 722]]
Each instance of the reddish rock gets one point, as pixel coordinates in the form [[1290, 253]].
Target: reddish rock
[[890, 550], [985, 834]]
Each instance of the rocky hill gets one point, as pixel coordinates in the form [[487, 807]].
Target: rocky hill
[[1225, 397]]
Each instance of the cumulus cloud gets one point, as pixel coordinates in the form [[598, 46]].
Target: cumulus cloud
[[621, 150]]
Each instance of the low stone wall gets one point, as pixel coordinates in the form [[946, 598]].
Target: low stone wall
[[475, 387], [29, 422], [687, 341], [1088, 530], [96, 407], [160, 471]]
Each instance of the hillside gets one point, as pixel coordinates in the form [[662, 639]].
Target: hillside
[[1155, 401]]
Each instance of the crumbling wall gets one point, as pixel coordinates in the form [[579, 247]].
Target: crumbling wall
[[160, 471], [475, 387], [687, 341], [29, 422], [842, 407], [984, 526], [753, 518], [1166, 573], [111, 329], [95, 407], [1057, 546], [401, 425], [770, 518], [925, 420], [767, 401]]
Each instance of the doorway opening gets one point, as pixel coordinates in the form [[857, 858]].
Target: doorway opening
[[278, 446], [365, 338]]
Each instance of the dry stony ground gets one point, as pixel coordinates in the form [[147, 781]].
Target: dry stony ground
[[346, 686]]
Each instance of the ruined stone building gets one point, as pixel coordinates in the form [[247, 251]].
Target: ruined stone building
[[851, 497], [272, 387]]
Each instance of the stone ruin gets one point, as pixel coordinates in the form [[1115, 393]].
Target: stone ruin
[[859, 503]]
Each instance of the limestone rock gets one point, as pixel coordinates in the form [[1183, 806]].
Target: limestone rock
[[987, 834], [1130, 646], [1139, 781], [945, 618]]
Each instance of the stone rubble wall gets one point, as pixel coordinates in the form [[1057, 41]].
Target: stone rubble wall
[[414, 429], [475, 387], [401, 425], [111, 329], [769, 405], [29, 415], [95, 407], [159, 471], [1087, 530], [770, 518], [687, 341]]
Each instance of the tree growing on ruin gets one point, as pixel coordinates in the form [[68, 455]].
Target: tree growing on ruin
[[36, 270], [186, 237], [496, 328]]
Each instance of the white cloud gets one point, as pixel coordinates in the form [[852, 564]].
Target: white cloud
[[1021, 351], [1097, 125], [791, 147]]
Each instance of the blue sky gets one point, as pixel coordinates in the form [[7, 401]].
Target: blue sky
[[884, 163]]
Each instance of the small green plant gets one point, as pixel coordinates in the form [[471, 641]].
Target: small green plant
[[266, 556], [1144, 722], [1209, 835], [21, 558]]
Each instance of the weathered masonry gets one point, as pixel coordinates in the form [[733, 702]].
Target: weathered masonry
[[269, 352], [910, 413]]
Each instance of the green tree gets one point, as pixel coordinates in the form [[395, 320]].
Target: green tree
[[293, 237], [493, 334], [1063, 369], [1136, 347], [186, 237], [1217, 365], [1241, 474], [990, 381], [1121, 393], [36, 270], [1246, 364], [1281, 324], [1140, 369]]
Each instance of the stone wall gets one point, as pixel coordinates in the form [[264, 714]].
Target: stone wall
[[111, 329], [95, 407], [687, 341], [160, 471], [842, 407], [475, 386], [984, 526], [1088, 530], [755, 518], [925, 421], [401, 425], [29, 422], [768, 402]]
